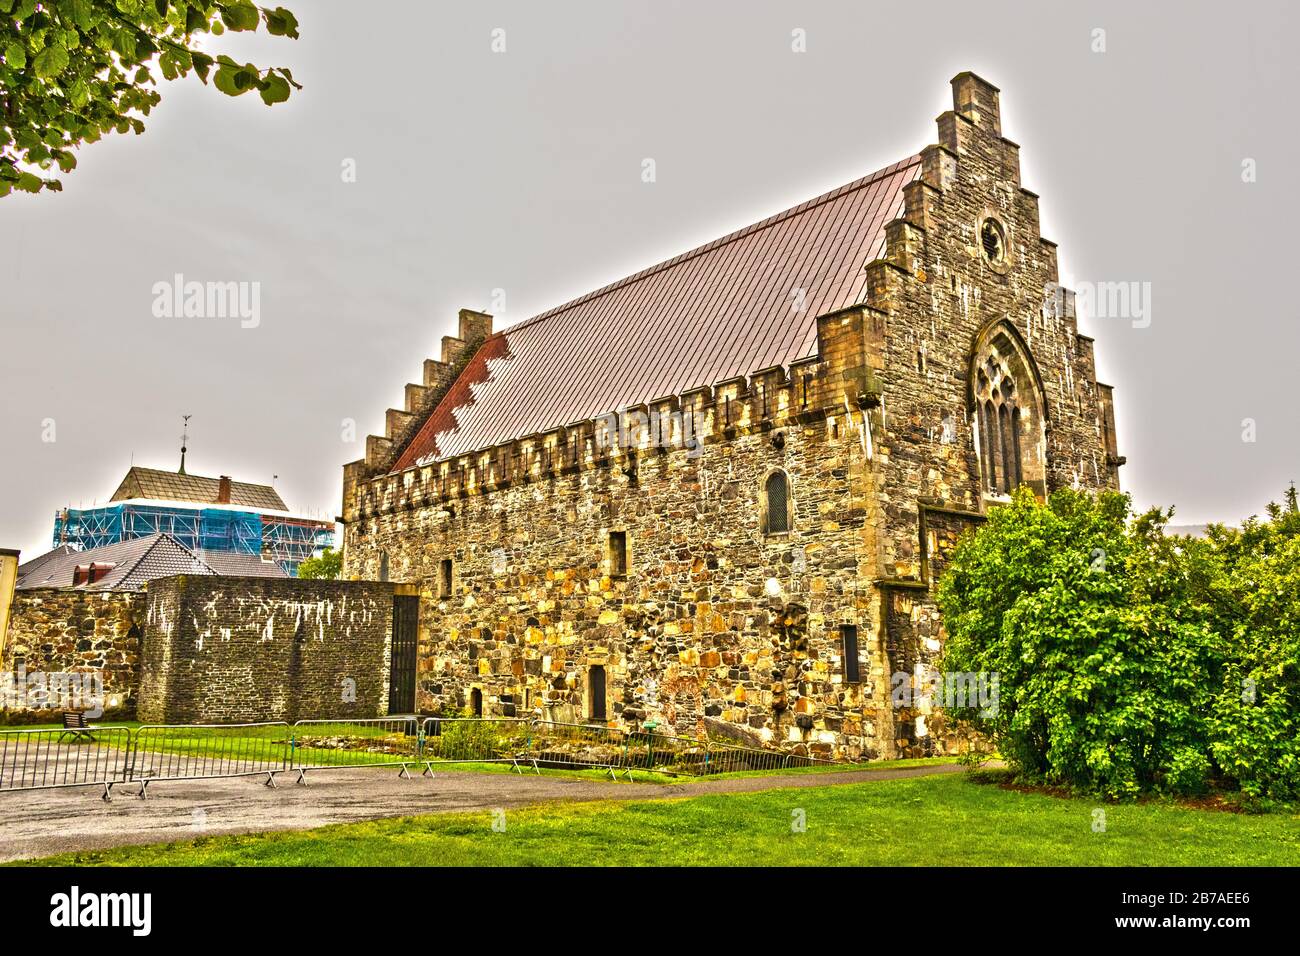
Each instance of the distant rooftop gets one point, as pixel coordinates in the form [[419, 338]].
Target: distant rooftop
[[174, 486], [129, 565]]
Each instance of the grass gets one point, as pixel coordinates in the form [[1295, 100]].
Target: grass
[[648, 776], [942, 820]]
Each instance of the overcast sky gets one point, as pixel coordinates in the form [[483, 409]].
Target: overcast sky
[[521, 171]]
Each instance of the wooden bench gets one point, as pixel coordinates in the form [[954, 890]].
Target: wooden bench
[[75, 726]]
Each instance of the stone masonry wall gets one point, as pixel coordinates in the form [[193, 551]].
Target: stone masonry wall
[[224, 650], [936, 300], [718, 626], [67, 631], [713, 623]]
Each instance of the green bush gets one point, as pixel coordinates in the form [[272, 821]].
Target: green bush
[[1124, 656]]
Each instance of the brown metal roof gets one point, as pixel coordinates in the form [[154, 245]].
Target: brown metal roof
[[715, 313], [173, 486]]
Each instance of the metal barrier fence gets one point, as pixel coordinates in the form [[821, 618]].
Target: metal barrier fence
[[105, 756], [365, 742], [583, 746], [476, 740], [565, 746], [204, 751], [39, 759], [688, 756]]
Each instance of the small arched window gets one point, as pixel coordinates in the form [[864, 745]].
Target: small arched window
[[383, 565], [776, 491], [476, 702]]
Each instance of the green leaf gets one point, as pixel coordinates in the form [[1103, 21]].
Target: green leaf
[[231, 81], [240, 16], [275, 90], [15, 55], [280, 22], [29, 183], [78, 11], [202, 63], [51, 61]]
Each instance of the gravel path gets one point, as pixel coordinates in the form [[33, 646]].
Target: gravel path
[[44, 822]]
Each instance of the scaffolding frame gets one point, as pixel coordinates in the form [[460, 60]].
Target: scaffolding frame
[[288, 540]]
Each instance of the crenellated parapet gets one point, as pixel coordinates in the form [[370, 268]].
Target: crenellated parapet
[[420, 400], [839, 378]]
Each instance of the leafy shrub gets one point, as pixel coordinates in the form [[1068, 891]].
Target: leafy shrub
[[1122, 653]]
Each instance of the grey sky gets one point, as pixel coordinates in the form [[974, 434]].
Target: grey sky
[[521, 171]]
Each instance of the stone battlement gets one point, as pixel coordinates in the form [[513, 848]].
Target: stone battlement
[[837, 379]]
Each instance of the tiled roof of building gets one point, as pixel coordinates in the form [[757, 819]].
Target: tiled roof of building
[[172, 486], [41, 560], [746, 302], [236, 564], [136, 562]]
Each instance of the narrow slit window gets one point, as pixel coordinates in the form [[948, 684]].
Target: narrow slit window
[[444, 578], [617, 553], [596, 691], [777, 491], [849, 641]]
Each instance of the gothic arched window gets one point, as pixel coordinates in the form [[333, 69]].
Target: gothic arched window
[[999, 427], [1008, 412]]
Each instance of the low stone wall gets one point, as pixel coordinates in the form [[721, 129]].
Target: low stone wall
[[224, 650], [57, 631]]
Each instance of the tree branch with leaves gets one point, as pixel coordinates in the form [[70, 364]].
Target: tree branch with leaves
[[72, 71]]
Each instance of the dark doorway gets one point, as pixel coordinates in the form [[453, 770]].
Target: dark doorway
[[401, 664], [476, 702]]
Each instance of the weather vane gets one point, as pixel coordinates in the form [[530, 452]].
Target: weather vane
[[185, 432]]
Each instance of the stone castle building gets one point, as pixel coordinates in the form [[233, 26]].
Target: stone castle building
[[715, 496]]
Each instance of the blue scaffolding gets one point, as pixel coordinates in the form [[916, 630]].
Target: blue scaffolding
[[285, 539]]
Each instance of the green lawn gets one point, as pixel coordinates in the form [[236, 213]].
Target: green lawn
[[946, 820]]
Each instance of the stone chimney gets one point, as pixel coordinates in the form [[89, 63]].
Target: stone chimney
[[223, 490]]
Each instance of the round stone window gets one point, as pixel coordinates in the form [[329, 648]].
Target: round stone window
[[994, 240]]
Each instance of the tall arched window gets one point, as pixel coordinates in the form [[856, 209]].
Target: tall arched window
[[776, 493], [999, 427], [1008, 412]]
